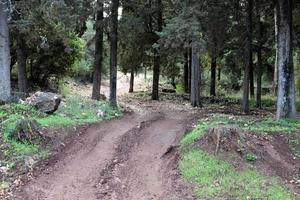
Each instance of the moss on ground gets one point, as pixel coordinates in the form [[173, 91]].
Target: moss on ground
[[216, 178]]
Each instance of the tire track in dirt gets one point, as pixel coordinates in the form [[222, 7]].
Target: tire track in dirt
[[74, 175], [139, 170]]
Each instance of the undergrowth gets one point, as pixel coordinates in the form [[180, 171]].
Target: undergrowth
[[216, 178]]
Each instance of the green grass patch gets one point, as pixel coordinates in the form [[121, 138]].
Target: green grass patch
[[180, 88], [4, 185], [216, 178], [78, 110]]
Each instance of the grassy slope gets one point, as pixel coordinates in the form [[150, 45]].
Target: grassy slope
[[215, 178], [73, 111]]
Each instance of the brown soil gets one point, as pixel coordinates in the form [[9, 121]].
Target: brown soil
[[276, 153], [119, 159], [134, 157]]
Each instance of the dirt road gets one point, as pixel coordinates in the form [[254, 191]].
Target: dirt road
[[122, 159]]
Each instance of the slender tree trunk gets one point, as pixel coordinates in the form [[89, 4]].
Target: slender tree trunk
[[213, 76], [5, 85], [248, 57], [252, 88], [259, 62], [219, 73], [22, 60], [186, 72], [156, 72], [145, 72], [275, 79], [156, 66], [195, 81], [286, 105], [190, 70], [97, 70], [131, 81], [114, 52]]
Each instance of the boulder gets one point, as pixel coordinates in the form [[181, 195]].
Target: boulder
[[46, 102]]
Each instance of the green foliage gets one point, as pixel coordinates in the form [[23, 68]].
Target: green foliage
[[216, 178], [52, 43], [251, 157], [78, 111], [4, 184], [179, 88]]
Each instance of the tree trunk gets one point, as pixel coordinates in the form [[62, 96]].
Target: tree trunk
[[190, 70], [145, 72], [248, 57], [286, 105], [97, 70], [156, 72], [22, 60], [259, 62], [219, 73], [114, 52], [156, 66], [131, 81], [252, 88], [195, 79], [275, 80], [186, 73], [5, 85], [213, 76]]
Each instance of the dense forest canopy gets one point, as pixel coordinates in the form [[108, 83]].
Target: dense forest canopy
[[216, 48]]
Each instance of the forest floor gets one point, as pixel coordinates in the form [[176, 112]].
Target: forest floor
[[168, 150]]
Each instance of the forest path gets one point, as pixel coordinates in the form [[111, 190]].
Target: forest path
[[119, 159]]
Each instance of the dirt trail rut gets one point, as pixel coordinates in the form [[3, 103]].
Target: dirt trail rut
[[120, 159]]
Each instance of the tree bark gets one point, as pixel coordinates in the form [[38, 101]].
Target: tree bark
[[22, 60], [114, 52], [97, 69], [156, 65], [275, 79], [195, 79], [190, 70], [252, 88], [259, 62], [248, 57], [131, 85], [219, 73], [5, 85], [186, 73], [286, 104], [145, 72], [213, 76]]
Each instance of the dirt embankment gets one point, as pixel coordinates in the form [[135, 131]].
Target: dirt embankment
[[275, 154]]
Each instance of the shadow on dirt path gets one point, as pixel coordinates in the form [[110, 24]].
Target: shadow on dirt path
[[119, 159]]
